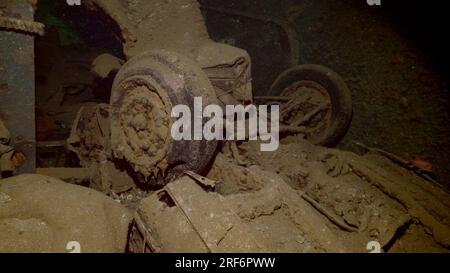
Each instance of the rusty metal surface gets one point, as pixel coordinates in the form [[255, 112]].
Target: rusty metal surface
[[17, 98]]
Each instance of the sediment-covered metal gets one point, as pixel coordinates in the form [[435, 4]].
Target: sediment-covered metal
[[143, 93]]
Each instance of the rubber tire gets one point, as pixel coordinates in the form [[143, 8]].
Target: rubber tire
[[341, 100], [161, 66]]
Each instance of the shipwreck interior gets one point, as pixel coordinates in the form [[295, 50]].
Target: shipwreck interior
[[87, 146]]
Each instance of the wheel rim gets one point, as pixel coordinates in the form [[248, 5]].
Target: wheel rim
[[309, 107], [141, 128]]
